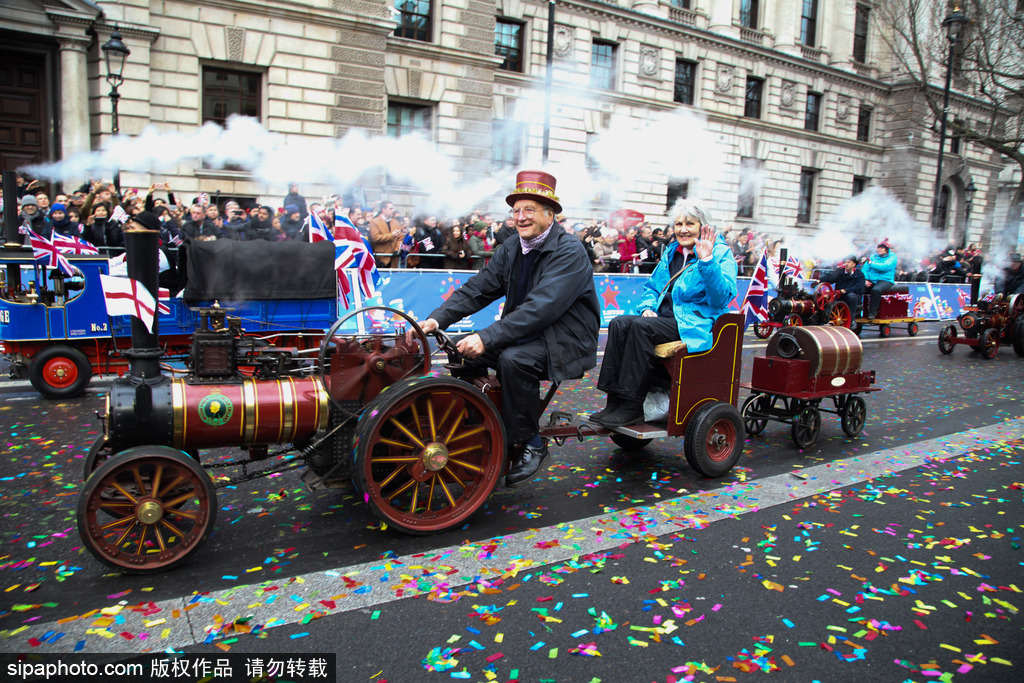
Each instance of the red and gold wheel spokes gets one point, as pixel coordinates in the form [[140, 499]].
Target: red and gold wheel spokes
[[145, 513], [432, 456], [839, 315], [823, 295]]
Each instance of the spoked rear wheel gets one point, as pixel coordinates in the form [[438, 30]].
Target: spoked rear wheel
[[429, 451], [754, 409], [838, 315], [146, 509], [947, 338], [763, 330]]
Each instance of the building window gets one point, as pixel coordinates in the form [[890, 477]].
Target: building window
[[602, 65], [860, 34], [813, 111], [413, 19], [227, 92], [749, 10], [508, 43], [507, 138], [860, 183], [803, 212], [750, 181], [677, 189], [954, 144], [752, 103], [864, 124], [405, 119], [808, 22], [686, 78], [685, 4]]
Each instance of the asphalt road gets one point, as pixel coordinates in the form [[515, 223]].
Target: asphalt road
[[916, 524]]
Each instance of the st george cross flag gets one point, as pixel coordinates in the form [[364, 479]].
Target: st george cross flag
[[125, 296], [47, 254], [755, 303], [317, 229], [69, 244]]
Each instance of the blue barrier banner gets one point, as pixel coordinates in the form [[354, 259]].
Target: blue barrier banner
[[418, 292]]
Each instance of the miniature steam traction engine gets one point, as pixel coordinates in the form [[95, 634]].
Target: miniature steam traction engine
[[794, 307], [425, 451], [988, 323]]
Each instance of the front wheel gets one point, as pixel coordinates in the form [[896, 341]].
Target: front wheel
[[754, 408], [947, 339], [428, 453], [146, 509], [838, 315], [762, 330], [60, 372], [853, 415], [989, 343], [712, 440], [793, 320]]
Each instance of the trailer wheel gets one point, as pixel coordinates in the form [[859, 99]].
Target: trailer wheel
[[428, 453], [989, 344], [912, 329], [753, 409], [857, 328], [60, 372], [712, 440], [629, 443], [146, 509], [947, 339], [762, 330], [1018, 337], [806, 427], [884, 330], [853, 415]]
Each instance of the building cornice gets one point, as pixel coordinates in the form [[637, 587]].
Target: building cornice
[[717, 41]]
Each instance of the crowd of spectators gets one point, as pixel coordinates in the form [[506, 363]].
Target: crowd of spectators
[[417, 239]]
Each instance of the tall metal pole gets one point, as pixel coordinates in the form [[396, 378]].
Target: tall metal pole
[[114, 98], [942, 138], [548, 79]]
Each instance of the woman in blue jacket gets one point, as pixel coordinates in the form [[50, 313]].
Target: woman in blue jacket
[[692, 285], [879, 276]]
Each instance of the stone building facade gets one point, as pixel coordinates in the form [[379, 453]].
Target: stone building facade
[[798, 96]]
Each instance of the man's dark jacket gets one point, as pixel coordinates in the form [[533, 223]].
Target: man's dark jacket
[[561, 308], [853, 282]]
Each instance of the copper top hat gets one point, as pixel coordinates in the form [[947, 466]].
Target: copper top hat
[[536, 185]]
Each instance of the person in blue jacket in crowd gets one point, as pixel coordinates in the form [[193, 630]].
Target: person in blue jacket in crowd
[[879, 276], [689, 289]]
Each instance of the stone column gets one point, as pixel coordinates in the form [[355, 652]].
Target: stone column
[[74, 96]]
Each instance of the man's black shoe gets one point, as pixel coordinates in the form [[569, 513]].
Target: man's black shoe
[[527, 464], [630, 412], [614, 401]]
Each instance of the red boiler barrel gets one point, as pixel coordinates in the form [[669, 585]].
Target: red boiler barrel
[[252, 412], [830, 350]]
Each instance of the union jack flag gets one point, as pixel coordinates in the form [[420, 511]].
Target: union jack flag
[[317, 229], [69, 244], [359, 253], [792, 267], [47, 254], [755, 303]]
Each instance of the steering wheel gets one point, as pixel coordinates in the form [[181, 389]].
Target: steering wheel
[[823, 295], [368, 361]]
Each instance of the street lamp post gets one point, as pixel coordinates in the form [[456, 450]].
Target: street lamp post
[[953, 23], [115, 52], [969, 192]]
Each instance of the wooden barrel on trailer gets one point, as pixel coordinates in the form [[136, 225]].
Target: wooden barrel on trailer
[[829, 350]]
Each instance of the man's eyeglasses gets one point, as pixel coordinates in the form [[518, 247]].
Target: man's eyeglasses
[[528, 212]]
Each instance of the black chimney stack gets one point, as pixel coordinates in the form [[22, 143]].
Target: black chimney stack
[[144, 266]]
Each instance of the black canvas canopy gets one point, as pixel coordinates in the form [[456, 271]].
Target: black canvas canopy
[[242, 271]]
